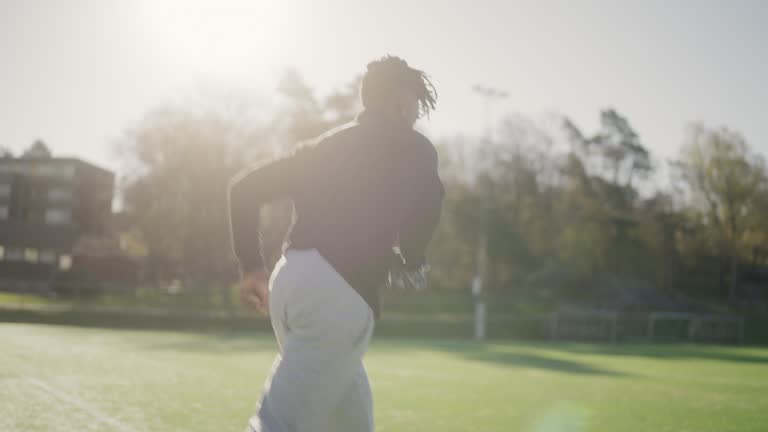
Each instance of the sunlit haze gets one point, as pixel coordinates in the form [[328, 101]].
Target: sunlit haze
[[79, 73], [581, 244]]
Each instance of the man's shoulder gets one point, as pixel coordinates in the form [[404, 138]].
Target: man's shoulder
[[324, 142], [338, 133], [421, 140], [415, 142], [422, 146]]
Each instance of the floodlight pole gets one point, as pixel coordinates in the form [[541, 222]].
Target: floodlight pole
[[489, 95], [477, 287]]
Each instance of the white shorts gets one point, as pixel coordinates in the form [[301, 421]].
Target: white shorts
[[323, 327]]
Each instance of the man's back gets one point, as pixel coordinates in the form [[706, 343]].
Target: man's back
[[361, 188]]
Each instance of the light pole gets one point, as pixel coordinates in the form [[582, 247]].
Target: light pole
[[489, 94]]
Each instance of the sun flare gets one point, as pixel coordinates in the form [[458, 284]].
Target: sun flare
[[219, 37]]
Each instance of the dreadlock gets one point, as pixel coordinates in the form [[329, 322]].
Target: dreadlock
[[389, 75]]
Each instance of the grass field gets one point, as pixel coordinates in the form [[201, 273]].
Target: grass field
[[59, 378]]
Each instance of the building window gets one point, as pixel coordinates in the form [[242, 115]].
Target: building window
[[16, 168], [47, 256], [65, 262], [57, 216], [31, 255], [2, 253], [59, 194], [47, 170], [5, 190], [14, 254], [67, 171], [3, 212]]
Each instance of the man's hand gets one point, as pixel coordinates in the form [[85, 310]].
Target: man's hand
[[254, 290]]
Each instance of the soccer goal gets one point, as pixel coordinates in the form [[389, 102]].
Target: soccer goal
[[695, 328], [717, 328]]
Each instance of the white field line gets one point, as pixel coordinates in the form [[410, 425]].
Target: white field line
[[82, 405]]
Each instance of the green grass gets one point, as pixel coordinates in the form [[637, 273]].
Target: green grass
[[14, 299], [67, 378]]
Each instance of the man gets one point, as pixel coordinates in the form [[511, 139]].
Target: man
[[357, 193]]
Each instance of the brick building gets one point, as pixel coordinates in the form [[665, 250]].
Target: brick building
[[53, 212]]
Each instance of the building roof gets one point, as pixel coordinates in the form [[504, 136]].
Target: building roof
[[56, 160]]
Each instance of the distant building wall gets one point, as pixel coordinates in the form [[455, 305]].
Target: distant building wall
[[46, 205]]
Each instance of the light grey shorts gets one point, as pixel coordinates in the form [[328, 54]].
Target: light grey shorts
[[323, 327]]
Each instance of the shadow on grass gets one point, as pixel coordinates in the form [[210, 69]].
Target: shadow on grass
[[132, 320], [519, 356], [667, 352], [207, 335], [188, 334], [538, 361]]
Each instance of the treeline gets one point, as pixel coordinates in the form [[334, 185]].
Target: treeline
[[561, 207], [564, 209]]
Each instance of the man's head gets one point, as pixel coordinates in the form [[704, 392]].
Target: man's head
[[392, 88]]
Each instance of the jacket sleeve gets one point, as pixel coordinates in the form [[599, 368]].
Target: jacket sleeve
[[423, 207], [249, 190]]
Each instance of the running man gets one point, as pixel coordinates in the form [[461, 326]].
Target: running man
[[357, 193]]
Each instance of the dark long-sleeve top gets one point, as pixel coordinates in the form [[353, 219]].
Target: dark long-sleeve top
[[357, 193]]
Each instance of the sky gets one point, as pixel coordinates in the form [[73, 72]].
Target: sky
[[79, 73]]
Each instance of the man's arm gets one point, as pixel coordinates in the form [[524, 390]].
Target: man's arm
[[423, 212], [248, 191], [252, 188]]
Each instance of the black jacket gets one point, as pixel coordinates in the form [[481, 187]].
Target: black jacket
[[357, 193]]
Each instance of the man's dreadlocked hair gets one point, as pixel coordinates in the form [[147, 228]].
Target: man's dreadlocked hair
[[389, 75]]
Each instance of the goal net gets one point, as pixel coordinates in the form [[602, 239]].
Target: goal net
[[674, 326]]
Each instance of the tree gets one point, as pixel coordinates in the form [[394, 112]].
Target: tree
[[179, 165], [180, 160], [599, 202], [305, 116], [726, 181], [620, 147], [38, 149]]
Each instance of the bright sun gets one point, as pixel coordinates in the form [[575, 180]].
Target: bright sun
[[218, 36]]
